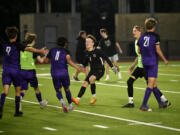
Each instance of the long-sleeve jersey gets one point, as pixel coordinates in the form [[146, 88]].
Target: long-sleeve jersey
[[96, 59]]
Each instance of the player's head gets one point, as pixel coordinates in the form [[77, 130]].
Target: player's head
[[30, 38], [82, 34], [103, 32], [62, 42], [150, 24], [137, 31], [90, 41], [11, 33]]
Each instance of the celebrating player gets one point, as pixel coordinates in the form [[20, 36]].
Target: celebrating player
[[108, 45], [149, 47], [95, 58], [60, 56], [11, 67], [28, 71], [139, 70], [80, 52]]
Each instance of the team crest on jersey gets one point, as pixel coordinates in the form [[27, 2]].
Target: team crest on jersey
[[107, 43], [94, 55]]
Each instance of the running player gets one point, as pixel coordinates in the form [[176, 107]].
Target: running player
[[149, 47], [80, 52], [28, 70], [95, 58], [108, 45], [139, 70], [60, 56], [11, 67]]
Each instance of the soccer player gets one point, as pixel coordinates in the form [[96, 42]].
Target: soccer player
[[28, 70], [11, 67], [149, 47], [80, 52], [108, 45], [95, 58], [139, 70], [60, 56]]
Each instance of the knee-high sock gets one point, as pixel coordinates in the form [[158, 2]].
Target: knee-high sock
[[17, 103], [81, 92], [157, 94], [39, 97], [2, 99], [93, 89], [130, 86], [147, 95], [68, 96]]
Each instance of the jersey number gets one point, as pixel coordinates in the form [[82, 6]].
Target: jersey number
[[8, 49], [57, 56], [146, 42]]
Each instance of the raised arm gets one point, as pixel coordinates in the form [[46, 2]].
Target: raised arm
[[159, 52]]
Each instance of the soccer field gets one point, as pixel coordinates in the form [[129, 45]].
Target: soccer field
[[105, 117]]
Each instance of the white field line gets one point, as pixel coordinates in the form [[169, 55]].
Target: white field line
[[100, 126], [114, 85], [109, 117], [1, 131], [50, 129]]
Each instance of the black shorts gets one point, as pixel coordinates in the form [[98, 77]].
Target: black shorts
[[97, 73], [139, 72]]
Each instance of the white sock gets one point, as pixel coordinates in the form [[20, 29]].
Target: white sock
[[131, 100], [107, 76], [70, 105], [78, 98], [62, 101], [93, 95], [163, 98], [119, 75]]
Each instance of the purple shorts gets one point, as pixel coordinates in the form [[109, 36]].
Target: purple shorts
[[151, 70], [11, 75], [28, 76], [61, 80]]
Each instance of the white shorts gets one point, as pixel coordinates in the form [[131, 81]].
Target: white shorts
[[114, 58]]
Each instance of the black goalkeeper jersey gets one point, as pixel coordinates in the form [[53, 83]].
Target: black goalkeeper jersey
[[96, 59]]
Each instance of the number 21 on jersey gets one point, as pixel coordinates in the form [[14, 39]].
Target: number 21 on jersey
[[146, 41], [57, 55]]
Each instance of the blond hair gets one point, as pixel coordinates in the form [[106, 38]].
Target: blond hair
[[91, 37], [139, 28], [30, 37]]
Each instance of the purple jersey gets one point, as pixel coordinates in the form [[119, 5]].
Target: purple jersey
[[58, 60], [147, 43], [11, 53]]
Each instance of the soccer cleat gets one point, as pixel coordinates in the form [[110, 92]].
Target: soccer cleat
[[70, 108], [162, 105], [129, 105], [167, 103], [93, 100], [43, 103], [76, 101], [65, 110], [107, 79], [75, 78], [145, 108], [18, 114]]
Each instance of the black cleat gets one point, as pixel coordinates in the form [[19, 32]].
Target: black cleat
[[129, 105], [18, 114]]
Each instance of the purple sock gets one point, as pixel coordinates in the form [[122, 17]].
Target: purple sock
[[146, 96], [68, 96], [59, 95], [38, 96], [22, 94], [17, 103], [2, 99], [157, 94]]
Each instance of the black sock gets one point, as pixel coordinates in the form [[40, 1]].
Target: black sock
[[130, 86], [81, 92], [17, 103], [93, 88]]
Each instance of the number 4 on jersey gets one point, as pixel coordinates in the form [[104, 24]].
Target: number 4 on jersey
[[57, 56]]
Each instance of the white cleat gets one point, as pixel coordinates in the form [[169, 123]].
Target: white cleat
[[43, 103]]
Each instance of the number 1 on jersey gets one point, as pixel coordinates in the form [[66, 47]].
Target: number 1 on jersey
[[57, 56]]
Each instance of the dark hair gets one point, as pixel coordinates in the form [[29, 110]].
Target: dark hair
[[91, 37], [82, 32], [150, 23], [11, 32], [30, 37], [61, 41], [104, 30]]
